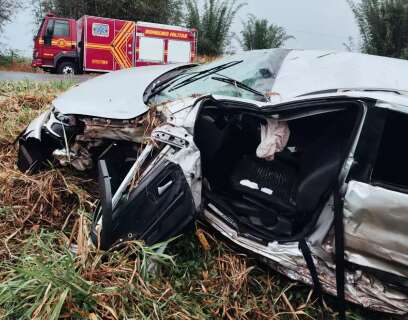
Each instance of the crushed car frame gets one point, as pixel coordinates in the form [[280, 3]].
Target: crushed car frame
[[296, 156]]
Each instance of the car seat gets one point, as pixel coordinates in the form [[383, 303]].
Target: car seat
[[297, 187]]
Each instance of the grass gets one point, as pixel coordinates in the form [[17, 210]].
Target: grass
[[48, 271], [12, 61]]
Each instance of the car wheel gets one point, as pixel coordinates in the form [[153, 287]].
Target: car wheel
[[67, 67]]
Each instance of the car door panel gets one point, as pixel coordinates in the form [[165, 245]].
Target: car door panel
[[58, 36], [375, 225], [159, 208], [376, 200]]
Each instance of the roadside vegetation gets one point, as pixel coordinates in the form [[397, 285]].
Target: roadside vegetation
[[48, 271], [12, 61], [382, 25], [259, 34]]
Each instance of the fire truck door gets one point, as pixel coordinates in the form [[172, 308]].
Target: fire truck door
[[57, 38]]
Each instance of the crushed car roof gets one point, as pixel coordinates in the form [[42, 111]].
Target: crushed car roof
[[119, 95], [306, 71]]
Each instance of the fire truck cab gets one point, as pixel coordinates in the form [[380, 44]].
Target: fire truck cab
[[96, 44]]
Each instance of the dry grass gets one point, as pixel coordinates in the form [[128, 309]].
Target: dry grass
[[48, 271], [20, 67], [43, 199], [15, 62]]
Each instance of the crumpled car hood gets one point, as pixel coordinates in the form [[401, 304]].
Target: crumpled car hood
[[116, 95]]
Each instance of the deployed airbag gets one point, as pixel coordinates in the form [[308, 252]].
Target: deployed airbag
[[274, 137]]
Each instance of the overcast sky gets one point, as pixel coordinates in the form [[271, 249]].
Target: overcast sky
[[316, 24]]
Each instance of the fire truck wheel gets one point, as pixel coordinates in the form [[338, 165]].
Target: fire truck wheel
[[66, 67]]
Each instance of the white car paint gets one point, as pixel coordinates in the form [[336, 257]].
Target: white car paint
[[309, 71], [119, 95], [116, 95]]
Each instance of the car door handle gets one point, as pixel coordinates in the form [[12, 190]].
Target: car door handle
[[162, 189]]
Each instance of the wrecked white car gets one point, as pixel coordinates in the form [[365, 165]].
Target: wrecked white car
[[296, 156]]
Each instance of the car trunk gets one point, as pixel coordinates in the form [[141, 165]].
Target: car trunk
[[275, 199]]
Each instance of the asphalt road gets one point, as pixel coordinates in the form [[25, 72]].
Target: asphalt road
[[11, 75]]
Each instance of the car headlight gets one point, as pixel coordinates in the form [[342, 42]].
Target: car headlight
[[68, 120], [60, 125]]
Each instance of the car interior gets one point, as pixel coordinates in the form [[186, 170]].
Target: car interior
[[291, 188], [389, 166]]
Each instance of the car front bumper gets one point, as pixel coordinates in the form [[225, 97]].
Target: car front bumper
[[36, 143]]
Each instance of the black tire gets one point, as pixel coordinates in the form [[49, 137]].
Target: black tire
[[67, 67]]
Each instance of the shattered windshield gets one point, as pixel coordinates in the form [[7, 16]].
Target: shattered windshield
[[256, 70]]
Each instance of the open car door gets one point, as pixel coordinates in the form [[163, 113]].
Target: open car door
[[159, 196], [160, 207]]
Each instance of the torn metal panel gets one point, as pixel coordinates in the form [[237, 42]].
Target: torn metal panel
[[361, 288], [119, 130], [34, 129], [322, 230], [174, 136], [376, 224], [52, 121], [34, 146], [181, 113], [78, 156], [187, 157]]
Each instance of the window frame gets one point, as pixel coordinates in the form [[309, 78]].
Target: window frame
[[375, 180], [66, 22], [144, 59], [49, 26], [170, 50]]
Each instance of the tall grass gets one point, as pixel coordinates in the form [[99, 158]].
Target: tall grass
[[21, 101]]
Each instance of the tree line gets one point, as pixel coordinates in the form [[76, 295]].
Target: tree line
[[7, 9], [383, 26], [213, 20], [382, 23]]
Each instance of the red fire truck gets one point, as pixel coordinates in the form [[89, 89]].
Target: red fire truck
[[95, 44]]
